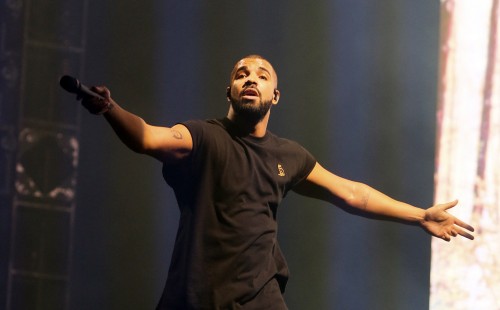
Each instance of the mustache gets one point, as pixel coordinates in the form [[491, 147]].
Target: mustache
[[251, 90]]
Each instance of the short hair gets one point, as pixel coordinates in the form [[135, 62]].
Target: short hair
[[255, 56]]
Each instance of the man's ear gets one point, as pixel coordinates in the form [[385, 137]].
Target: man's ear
[[228, 93], [276, 96]]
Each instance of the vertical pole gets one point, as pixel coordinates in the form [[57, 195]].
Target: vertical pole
[[42, 197]]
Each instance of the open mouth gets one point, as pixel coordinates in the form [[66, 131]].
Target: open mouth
[[251, 92]]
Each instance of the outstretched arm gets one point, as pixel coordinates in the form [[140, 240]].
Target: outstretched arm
[[162, 143], [360, 198]]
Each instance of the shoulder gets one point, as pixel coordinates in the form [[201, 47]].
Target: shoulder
[[286, 143], [197, 125], [205, 133], [201, 129]]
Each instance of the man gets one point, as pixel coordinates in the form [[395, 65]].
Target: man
[[229, 176]]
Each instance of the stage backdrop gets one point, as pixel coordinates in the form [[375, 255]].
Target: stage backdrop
[[359, 85], [466, 275]]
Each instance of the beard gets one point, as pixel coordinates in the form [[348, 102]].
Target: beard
[[249, 111]]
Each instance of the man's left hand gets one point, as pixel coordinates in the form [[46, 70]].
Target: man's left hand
[[441, 224]]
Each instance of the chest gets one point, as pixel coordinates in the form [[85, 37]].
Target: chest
[[254, 169]]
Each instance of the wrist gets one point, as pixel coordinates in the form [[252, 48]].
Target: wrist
[[110, 105]]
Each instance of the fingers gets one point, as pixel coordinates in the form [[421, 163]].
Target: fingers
[[456, 229], [97, 105], [450, 204], [464, 225], [462, 232], [446, 237], [465, 234], [454, 232], [102, 90]]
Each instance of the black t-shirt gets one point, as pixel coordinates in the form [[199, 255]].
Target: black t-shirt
[[228, 191]]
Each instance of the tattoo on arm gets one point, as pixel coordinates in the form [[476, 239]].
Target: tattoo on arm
[[177, 135], [364, 198]]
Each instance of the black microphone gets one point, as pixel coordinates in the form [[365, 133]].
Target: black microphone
[[72, 85]]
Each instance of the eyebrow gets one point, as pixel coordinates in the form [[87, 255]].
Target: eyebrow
[[246, 68]]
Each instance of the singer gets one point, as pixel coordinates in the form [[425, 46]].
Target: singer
[[229, 176]]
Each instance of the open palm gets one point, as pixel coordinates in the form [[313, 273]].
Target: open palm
[[439, 223]]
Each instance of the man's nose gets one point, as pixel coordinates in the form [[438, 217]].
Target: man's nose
[[250, 80]]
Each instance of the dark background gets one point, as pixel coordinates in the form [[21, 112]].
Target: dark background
[[358, 82]]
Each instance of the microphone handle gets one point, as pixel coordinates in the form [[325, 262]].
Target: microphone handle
[[85, 91], [72, 85]]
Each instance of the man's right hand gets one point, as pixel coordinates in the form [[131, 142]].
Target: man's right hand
[[98, 106]]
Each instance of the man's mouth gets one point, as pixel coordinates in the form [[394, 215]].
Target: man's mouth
[[250, 92]]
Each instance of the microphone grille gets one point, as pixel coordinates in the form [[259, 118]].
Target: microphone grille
[[70, 84]]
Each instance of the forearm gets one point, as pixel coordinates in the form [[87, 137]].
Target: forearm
[[368, 199], [130, 128], [361, 199], [160, 142]]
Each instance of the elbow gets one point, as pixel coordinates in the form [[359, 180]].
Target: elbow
[[138, 147], [359, 196]]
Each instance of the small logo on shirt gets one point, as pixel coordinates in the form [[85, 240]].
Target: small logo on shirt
[[281, 171]]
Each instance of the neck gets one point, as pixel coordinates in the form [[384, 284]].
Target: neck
[[255, 129]]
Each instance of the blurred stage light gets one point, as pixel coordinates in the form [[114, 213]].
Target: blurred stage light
[[466, 274]]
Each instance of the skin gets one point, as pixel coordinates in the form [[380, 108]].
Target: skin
[[253, 85]]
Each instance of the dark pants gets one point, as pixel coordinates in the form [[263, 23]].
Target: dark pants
[[268, 298]]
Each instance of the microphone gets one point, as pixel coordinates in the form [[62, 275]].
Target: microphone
[[72, 85]]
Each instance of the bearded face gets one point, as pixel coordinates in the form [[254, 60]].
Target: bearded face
[[253, 89], [253, 111]]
